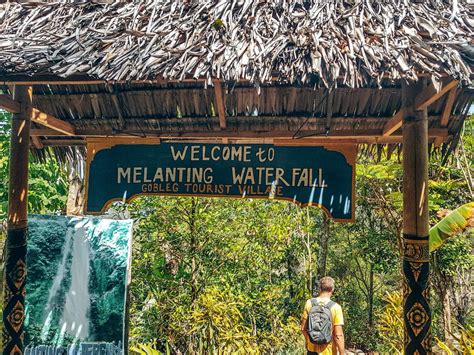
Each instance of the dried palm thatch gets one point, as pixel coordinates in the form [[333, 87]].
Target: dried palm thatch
[[358, 42]]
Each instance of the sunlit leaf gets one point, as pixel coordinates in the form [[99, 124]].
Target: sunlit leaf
[[454, 223]]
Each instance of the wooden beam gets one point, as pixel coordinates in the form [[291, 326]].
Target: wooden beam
[[36, 141], [425, 98], [11, 105], [433, 132], [431, 94], [219, 95], [448, 107], [17, 224], [7, 103], [44, 119], [45, 132], [438, 141], [63, 142], [335, 137], [263, 140], [393, 124], [52, 122]]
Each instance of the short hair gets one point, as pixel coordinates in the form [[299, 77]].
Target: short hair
[[326, 284]]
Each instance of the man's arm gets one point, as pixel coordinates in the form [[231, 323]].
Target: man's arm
[[303, 326], [338, 343]]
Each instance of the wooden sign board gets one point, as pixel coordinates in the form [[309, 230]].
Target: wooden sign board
[[322, 176]]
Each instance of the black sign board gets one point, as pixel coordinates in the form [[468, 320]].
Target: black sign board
[[306, 175]]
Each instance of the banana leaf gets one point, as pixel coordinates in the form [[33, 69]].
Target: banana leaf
[[457, 221]]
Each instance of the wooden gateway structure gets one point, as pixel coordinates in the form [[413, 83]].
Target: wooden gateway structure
[[362, 73]]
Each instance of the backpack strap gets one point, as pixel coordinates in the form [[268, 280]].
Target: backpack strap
[[314, 302], [329, 305]]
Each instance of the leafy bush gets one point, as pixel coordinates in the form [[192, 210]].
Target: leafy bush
[[218, 324], [390, 323]]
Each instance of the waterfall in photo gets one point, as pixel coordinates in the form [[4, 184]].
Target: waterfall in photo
[[75, 318], [74, 267], [55, 288]]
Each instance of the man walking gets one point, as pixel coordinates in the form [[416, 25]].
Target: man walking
[[322, 322]]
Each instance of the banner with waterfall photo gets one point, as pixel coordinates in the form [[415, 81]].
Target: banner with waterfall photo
[[78, 269]]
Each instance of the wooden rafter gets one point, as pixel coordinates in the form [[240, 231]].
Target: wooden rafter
[[432, 93], [428, 96], [45, 132], [52, 122], [63, 142], [36, 141], [7, 103], [300, 142], [393, 124], [448, 107], [363, 136], [219, 95], [44, 119]]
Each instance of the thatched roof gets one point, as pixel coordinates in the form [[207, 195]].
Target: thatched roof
[[301, 68], [356, 41]]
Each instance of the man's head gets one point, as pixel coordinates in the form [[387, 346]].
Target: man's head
[[326, 284]]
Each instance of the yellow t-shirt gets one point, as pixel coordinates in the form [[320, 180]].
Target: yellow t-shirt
[[337, 319]]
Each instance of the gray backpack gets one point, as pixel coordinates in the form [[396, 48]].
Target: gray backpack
[[319, 325]]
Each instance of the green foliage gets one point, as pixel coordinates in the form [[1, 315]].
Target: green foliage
[[218, 323], [463, 341], [390, 322], [455, 256], [210, 275], [47, 180], [145, 349], [456, 222]]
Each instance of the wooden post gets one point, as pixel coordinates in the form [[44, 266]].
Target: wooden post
[[15, 259], [416, 267]]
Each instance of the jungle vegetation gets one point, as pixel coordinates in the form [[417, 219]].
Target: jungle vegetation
[[233, 274]]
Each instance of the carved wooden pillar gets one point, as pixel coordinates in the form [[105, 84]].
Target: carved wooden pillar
[[15, 258], [416, 267]]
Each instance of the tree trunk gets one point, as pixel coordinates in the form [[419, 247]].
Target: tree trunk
[[193, 248], [441, 280], [446, 309], [75, 197], [462, 295], [371, 297], [310, 266], [290, 272], [323, 249]]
